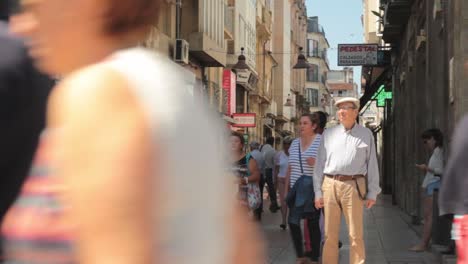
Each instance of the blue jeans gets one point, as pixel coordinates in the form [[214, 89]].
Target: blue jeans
[[432, 187]]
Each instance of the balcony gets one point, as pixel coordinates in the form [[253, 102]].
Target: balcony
[[395, 19], [263, 94], [264, 21], [314, 27], [205, 30]]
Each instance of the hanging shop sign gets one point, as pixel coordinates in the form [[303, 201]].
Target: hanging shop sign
[[229, 86], [244, 120], [247, 79], [381, 96], [358, 54]]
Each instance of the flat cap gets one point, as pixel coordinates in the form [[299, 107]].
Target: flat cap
[[352, 100]]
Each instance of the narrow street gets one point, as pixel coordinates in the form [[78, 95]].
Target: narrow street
[[388, 235]]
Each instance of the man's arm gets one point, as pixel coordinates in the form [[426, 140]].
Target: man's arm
[[372, 172], [318, 169]]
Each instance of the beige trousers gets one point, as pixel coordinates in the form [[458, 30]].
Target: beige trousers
[[342, 197]]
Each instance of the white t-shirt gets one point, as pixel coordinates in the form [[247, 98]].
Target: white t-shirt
[[160, 85], [282, 160], [436, 164]]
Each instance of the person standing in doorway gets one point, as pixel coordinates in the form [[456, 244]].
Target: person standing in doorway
[[433, 141], [346, 178], [269, 156]]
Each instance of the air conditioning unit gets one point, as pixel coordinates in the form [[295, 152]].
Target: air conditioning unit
[[181, 51]]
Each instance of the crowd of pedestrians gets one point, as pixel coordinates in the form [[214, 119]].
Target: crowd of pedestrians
[[118, 171]]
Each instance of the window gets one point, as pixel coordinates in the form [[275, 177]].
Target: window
[[340, 93], [312, 48], [240, 95], [312, 97], [313, 73]]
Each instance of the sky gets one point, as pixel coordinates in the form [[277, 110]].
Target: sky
[[341, 20]]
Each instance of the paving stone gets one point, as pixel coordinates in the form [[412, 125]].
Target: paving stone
[[387, 235]]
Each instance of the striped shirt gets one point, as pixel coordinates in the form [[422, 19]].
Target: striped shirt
[[311, 152], [34, 229]]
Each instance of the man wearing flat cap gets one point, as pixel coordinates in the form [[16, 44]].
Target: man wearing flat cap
[[346, 178]]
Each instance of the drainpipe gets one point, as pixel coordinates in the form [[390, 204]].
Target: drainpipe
[[178, 17]]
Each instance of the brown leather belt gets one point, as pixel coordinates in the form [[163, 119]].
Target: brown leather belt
[[344, 178]]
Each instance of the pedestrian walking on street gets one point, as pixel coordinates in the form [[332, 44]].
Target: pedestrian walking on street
[[433, 141], [320, 129], [269, 156], [281, 169], [248, 175], [258, 157], [346, 178], [121, 174], [453, 194], [299, 188]]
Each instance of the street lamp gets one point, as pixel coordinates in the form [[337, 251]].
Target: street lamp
[[241, 65], [301, 61]]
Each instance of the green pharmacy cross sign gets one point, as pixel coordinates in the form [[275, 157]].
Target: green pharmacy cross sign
[[381, 96]]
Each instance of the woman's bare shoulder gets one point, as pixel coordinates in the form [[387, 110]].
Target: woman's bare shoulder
[[96, 88]]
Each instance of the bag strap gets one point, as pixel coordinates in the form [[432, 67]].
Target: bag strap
[[361, 196], [247, 159], [300, 158]]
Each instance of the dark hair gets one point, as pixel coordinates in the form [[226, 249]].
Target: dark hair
[[288, 140], [270, 140], [126, 16], [322, 119], [436, 134], [8, 7], [314, 119], [239, 135]]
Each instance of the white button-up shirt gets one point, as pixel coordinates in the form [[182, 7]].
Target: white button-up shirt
[[436, 164], [349, 152]]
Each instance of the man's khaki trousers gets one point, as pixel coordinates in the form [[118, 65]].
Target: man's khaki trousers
[[342, 197]]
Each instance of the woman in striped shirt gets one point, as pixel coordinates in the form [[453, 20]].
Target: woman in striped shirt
[[302, 154]]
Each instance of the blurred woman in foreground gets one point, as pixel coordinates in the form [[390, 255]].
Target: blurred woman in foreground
[[119, 177]]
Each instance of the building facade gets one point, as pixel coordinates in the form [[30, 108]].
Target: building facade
[[316, 91], [261, 101], [371, 22], [341, 83], [428, 80], [282, 72], [298, 76]]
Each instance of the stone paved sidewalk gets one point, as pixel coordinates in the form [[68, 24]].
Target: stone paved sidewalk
[[387, 236]]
